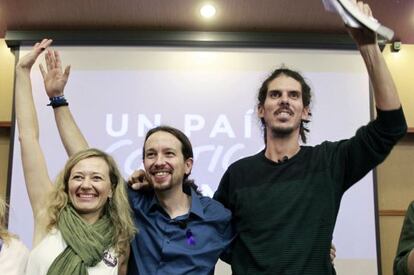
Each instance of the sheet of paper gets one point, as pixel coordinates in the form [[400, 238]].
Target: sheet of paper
[[334, 6]]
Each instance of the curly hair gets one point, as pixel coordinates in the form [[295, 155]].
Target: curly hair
[[306, 96], [117, 208]]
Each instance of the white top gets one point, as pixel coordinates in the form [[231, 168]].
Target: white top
[[43, 255], [13, 258]]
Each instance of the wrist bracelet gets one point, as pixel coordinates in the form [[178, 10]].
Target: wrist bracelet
[[58, 101]]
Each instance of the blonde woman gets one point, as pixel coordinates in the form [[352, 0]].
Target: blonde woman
[[13, 253], [83, 222]]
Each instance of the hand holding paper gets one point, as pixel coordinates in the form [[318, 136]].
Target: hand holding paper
[[354, 18]]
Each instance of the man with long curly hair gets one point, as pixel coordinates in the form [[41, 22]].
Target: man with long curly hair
[[286, 198]]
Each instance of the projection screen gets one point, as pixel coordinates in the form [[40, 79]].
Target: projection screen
[[117, 93]]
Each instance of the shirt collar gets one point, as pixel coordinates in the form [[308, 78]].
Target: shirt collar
[[196, 207], [154, 204]]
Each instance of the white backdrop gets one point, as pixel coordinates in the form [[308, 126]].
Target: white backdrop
[[117, 93]]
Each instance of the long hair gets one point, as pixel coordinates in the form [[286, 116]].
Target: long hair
[[186, 150], [5, 235], [117, 208], [306, 97]]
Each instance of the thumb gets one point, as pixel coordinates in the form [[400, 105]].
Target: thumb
[[67, 72]]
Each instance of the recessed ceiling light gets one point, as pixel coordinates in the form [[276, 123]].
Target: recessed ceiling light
[[208, 11]]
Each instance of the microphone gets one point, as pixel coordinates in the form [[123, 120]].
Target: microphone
[[284, 159]]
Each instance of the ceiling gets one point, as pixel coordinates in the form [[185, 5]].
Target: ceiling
[[232, 15]]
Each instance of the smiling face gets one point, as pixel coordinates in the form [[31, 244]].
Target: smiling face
[[89, 187], [283, 110], [164, 161]]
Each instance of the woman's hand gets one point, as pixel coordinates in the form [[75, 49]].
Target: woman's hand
[[26, 62], [54, 77]]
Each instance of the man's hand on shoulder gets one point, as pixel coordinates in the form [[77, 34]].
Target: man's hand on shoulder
[[138, 180]]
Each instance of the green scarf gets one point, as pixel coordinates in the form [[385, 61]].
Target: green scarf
[[85, 243]]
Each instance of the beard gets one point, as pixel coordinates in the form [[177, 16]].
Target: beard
[[160, 187], [281, 132], [278, 131], [167, 185]]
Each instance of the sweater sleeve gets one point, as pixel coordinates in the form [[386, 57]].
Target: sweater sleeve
[[222, 193], [369, 147], [406, 243], [391, 124]]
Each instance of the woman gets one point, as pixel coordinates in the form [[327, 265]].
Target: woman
[[13, 253], [82, 223]]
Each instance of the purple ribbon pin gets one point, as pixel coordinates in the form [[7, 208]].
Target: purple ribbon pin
[[190, 237]]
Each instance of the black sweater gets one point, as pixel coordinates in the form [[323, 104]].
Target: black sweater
[[285, 213]]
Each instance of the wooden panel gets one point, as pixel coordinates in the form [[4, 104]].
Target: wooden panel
[[232, 15], [400, 65], [6, 81], [6, 88], [390, 229], [4, 159], [392, 213], [5, 124], [395, 176]]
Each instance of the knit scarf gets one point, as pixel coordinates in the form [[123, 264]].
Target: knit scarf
[[86, 243]]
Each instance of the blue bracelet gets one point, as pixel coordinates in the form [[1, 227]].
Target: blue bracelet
[[58, 101]]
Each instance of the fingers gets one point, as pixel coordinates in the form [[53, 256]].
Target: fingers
[[49, 61], [137, 177], [138, 180], [333, 255], [26, 62], [363, 7], [54, 62], [332, 252], [41, 46], [58, 63], [367, 10], [46, 43], [67, 72], [52, 59], [136, 186], [360, 5]]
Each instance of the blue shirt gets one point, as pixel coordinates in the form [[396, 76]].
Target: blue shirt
[[188, 244]]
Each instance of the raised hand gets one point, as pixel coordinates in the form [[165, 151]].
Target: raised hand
[[26, 62], [363, 36], [54, 77]]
